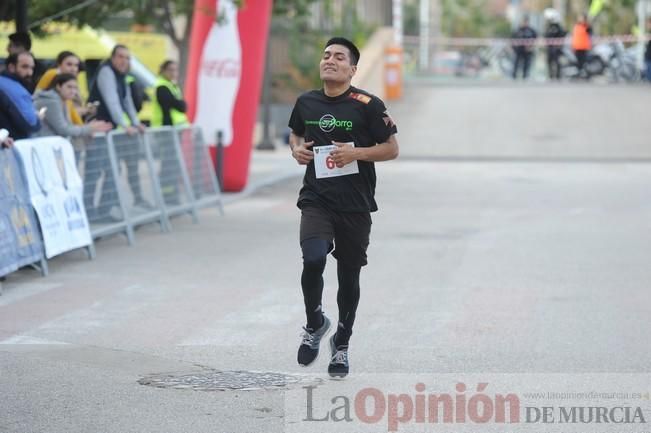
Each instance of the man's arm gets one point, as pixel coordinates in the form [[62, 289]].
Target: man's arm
[[19, 125], [131, 108], [344, 154], [108, 87]]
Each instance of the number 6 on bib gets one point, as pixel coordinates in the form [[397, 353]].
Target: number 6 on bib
[[324, 165]]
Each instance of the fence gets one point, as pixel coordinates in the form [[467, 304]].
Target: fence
[[147, 178], [128, 181]]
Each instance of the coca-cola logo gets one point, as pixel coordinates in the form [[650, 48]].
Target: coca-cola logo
[[223, 68]]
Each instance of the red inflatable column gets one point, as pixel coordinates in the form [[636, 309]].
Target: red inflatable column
[[225, 77]]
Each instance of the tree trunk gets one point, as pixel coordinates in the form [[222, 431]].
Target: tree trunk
[[181, 43], [184, 50]]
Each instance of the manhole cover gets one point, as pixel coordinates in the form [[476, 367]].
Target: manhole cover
[[214, 380]]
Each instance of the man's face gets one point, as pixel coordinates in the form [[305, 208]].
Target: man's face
[[120, 60], [70, 65], [335, 64], [24, 68]]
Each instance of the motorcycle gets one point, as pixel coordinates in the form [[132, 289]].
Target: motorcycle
[[594, 65]]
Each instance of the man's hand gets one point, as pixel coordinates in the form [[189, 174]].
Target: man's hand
[[344, 154], [302, 153], [141, 128], [131, 130]]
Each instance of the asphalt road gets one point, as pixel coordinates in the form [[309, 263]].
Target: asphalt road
[[508, 265]]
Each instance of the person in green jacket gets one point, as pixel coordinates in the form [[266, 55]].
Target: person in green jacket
[[168, 109]]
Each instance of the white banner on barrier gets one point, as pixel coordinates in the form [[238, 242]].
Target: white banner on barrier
[[56, 191]]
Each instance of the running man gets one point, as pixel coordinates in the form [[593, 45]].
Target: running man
[[339, 132]]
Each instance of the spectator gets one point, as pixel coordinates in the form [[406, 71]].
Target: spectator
[[555, 33], [168, 110], [19, 42], [581, 42], [17, 112], [67, 63], [523, 45], [111, 90], [63, 88], [169, 106]]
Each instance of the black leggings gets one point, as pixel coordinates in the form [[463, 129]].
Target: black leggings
[[315, 253]]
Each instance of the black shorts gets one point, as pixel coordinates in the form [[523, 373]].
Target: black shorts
[[350, 231]]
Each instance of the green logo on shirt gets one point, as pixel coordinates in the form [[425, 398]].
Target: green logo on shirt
[[328, 123]]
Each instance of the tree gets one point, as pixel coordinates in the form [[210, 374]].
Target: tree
[[160, 13]]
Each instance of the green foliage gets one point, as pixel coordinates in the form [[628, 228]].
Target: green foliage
[[617, 17], [411, 19], [144, 11], [294, 8], [306, 44], [468, 18], [92, 14]]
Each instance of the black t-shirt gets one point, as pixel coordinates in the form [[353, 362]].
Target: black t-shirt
[[354, 116]]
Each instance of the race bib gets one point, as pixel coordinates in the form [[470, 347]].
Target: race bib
[[324, 165]]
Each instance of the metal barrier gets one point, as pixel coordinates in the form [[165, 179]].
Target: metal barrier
[[102, 198], [131, 180], [174, 184], [128, 181], [140, 189], [198, 163]]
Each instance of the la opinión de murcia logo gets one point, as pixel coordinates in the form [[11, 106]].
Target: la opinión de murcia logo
[[372, 406], [467, 406], [223, 68]]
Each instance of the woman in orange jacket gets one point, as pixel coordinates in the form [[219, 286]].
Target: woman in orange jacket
[[581, 40]]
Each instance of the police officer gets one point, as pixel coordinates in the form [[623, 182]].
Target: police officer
[[523, 45]]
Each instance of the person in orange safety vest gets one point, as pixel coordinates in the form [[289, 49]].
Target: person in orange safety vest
[[581, 40]]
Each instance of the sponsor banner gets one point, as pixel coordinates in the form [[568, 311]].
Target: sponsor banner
[[225, 70], [56, 191], [599, 402], [20, 243]]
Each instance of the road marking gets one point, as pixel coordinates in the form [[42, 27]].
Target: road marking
[[23, 291], [99, 316]]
